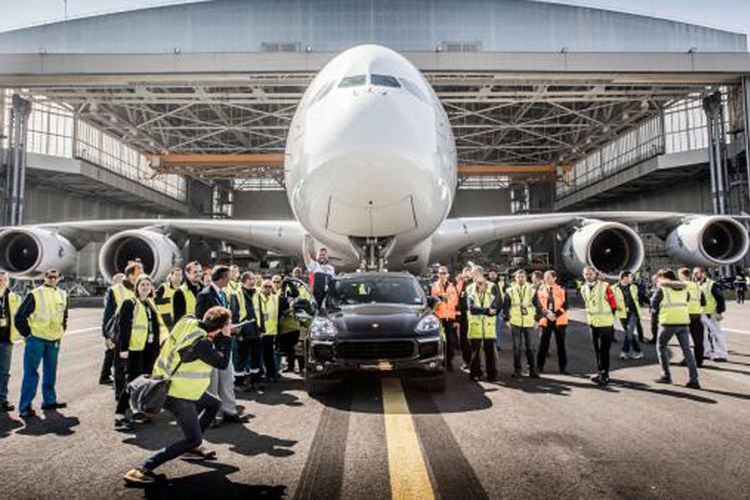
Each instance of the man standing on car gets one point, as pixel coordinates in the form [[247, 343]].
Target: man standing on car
[[321, 274]]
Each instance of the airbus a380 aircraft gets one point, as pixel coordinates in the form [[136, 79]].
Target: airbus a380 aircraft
[[371, 174]]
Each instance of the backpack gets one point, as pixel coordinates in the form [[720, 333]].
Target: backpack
[[112, 328], [148, 393]]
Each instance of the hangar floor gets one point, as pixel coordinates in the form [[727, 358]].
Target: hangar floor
[[557, 437]]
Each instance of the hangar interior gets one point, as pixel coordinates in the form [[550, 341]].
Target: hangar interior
[[175, 125]]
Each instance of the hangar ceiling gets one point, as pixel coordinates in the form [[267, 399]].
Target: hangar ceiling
[[496, 121], [513, 109]]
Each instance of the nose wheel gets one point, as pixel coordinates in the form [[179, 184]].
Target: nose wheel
[[373, 252]]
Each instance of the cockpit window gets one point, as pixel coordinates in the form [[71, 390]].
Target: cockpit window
[[320, 94], [384, 81], [413, 89], [353, 81]]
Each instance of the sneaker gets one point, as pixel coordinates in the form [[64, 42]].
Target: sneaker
[[721, 360], [597, 379], [199, 453], [141, 475], [664, 379], [55, 406], [27, 413], [124, 424], [636, 355], [693, 385], [623, 355], [6, 407], [105, 381], [235, 419], [533, 374]]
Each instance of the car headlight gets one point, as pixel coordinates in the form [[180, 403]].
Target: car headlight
[[428, 324], [323, 327]]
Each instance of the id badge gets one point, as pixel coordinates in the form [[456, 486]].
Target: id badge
[[150, 338], [3, 322]]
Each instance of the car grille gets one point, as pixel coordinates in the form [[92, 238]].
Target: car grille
[[428, 349], [395, 349], [323, 352]]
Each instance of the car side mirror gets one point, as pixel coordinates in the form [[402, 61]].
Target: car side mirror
[[433, 301]]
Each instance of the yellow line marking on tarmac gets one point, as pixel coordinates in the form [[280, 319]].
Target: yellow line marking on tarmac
[[406, 465]]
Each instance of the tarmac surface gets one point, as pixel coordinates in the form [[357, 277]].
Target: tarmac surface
[[556, 437]]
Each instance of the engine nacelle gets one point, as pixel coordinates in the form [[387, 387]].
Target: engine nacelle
[[708, 241], [26, 253], [609, 247], [156, 251]]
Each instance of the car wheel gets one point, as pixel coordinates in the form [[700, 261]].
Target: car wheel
[[315, 387]]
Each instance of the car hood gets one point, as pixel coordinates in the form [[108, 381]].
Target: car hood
[[381, 320]]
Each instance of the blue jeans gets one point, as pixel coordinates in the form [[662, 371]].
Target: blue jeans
[[6, 351], [629, 324], [39, 351], [499, 321], [666, 332]]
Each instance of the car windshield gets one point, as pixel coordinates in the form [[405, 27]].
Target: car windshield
[[375, 289]]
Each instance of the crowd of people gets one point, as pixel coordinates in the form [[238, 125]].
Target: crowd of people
[[215, 331], [474, 307]]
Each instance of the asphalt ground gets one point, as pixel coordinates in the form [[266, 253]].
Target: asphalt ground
[[556, 437]]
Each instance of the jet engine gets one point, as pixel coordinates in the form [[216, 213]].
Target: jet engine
[[28, 252], [156, 251], [708, 241], [609, 247]]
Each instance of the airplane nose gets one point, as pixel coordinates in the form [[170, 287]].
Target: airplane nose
[[371, 119]]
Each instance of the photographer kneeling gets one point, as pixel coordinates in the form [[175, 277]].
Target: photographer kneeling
[[191, 352]]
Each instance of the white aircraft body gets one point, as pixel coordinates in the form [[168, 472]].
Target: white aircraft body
[[371, 174]]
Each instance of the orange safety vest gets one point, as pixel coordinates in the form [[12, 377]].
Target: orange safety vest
[[445, 309], [558, 298]]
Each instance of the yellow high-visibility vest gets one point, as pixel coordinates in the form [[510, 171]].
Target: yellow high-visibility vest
[[14, 302], [166, 307], [270, 312], [189, 299], [673, 309], [520, 297], [139, 330], [694, 300], [46, 322], [192, 379], [598, 310], [711, 305], [482, 326], [622, 309], [121, 293]]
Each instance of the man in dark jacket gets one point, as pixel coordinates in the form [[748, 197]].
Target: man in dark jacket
[[192, 286], [222, 381], [249, 351]]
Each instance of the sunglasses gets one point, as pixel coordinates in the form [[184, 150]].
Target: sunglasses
[[267, 286]]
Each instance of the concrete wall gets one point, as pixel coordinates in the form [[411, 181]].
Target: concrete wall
[[472, 203], [692, 196], [262, 205]]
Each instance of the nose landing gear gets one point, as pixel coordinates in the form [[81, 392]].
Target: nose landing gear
[[373, 252]]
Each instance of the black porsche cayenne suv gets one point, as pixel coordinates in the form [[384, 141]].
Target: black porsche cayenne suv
[[376, 322]]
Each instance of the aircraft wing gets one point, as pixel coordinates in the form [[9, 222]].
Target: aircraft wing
[[460, 233], [279, 236]]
